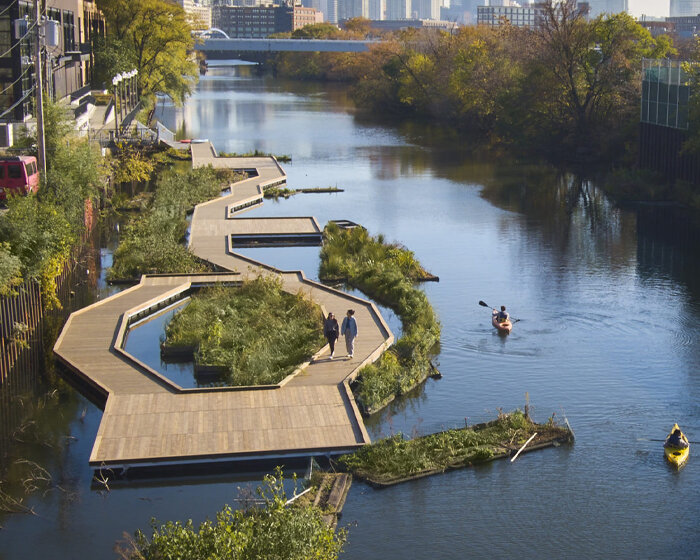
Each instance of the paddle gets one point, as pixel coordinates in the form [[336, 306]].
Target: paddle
[[484, 304], [662, 440]]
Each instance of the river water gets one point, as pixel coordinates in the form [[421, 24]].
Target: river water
[[608, 335]]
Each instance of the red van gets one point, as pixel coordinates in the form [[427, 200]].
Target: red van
[[18, 175]]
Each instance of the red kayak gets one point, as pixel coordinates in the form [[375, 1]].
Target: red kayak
[[502, 326]]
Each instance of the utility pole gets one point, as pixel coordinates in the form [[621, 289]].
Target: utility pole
[[38, 84]]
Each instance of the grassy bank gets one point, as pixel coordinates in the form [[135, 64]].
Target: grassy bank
[[396, 459], [257, 334], [386, 273], [154, 240]]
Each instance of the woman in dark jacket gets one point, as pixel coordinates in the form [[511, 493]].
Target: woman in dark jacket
[[331, 331]]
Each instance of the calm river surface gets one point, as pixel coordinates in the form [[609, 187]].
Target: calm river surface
[[609, 334]]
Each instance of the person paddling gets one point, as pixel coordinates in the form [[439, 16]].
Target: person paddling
[[676, 440], [501, 316]]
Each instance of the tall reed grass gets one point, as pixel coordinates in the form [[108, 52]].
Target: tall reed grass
[[257, 334], [386, 273], [153, 241]]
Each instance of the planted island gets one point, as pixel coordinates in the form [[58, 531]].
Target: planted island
[[388, 274], [396, 459], [253, 335]]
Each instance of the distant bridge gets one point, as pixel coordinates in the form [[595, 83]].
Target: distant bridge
[[211, 45]]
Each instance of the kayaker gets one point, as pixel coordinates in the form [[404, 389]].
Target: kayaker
[[501, 316], [675, 440]]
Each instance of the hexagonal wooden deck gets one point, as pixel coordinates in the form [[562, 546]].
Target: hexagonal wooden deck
[[149, 420]]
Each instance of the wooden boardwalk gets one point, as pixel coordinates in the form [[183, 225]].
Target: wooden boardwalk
[[148, 420]]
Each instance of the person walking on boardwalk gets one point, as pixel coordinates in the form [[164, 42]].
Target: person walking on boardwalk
[[349, 329], [331, 331]]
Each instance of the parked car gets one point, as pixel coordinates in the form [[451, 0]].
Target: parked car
[[19, 175]]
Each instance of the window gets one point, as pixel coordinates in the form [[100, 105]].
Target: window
[[14, 171]]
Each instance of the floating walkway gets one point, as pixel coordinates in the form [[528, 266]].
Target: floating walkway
[[148, 420]]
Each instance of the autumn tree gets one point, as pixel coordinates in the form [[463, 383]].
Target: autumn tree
[[587, 73]]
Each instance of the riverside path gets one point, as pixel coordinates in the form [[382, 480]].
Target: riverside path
[[149, 421]]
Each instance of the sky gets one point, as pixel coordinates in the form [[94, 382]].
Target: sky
[[649, 7]]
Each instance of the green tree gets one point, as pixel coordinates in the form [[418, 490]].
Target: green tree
[[154, 36], [316, 31], [587, 74]]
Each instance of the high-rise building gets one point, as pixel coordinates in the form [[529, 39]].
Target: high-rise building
[[680, 8], [348, 9], [261, 21], [398, 9], [377, 10], [332, 11], [426, 9], [608, 6], [199, 12]]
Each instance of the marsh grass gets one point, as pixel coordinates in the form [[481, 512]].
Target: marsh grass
[[258, 334], [153, 240], [395, 458], [386, 273]]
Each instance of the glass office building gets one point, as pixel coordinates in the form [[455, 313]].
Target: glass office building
[[665, 93]]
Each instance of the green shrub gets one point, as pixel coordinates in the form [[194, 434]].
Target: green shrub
[[272, 531]]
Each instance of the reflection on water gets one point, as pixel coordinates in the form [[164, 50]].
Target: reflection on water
[[608, 335]]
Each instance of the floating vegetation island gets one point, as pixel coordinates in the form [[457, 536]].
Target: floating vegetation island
[[396, 459], [387, 273], [253, 335]]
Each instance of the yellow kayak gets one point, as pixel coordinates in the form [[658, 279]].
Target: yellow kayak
[[676, 455]]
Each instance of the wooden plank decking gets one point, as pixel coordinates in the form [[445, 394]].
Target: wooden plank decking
[[148, 420]]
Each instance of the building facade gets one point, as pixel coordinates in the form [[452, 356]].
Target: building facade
[[664, 120], [198, 11], [680, 8], [348, 9], [262, 21], [686, 27], [67, 62], [425, 9], [398, 9], [518, 16], [608, 7]]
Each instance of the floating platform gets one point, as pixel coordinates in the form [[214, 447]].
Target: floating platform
[[275, 232], [150, 423]]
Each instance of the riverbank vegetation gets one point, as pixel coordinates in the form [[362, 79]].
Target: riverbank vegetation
[[255, 335], [154, 240], [272, 529], [386, 273], [397, 459], [37, 233], [569, 89]]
